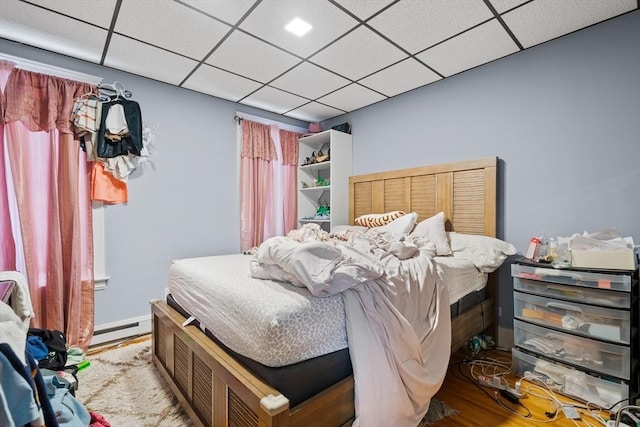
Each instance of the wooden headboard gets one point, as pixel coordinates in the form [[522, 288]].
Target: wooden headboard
[[464, 191]]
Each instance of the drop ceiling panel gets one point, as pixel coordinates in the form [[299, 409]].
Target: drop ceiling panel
[[53, 32], [351, 98], [543, 20], [401, 77], [139, 58], [358, 54], [502, 6], [252, 58], [170, 25], [417, 25], [100, 13], [364, 9], [314, 112], [272, 99], [309, 81], [212, 81], [271, 16], [229, 11], [475, 47]]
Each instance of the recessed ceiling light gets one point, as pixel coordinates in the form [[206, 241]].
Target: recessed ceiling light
[[298, 27]]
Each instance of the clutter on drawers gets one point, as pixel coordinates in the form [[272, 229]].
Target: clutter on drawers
[[579, 329]]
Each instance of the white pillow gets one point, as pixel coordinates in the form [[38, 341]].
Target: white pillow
[[402, 225], [432, 229], [486, 253]]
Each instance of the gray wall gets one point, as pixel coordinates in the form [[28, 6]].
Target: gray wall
[[563, 117], [188, 206]]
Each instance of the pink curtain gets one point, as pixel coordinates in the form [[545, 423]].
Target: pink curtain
[[289, 144], [50, 177], [256, 182], [7, 244]]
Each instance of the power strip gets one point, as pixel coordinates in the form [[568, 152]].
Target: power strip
[[494, 382]]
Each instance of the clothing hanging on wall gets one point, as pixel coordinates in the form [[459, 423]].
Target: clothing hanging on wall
[[109, 124]]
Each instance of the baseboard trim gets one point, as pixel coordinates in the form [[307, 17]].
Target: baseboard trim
[[123, 329]]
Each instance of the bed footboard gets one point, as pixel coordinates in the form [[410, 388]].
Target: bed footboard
[[215, 390]]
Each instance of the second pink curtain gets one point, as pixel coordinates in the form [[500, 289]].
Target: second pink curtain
[[260, 162]]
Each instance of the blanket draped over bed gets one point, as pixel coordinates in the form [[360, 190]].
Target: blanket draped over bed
[[397, 310]]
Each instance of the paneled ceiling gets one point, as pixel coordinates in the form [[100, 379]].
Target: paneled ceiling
[[358, 52]]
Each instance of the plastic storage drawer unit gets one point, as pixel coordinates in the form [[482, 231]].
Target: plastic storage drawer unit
[[616, 282], [569, 381], [600, 357], [580, 319], [574, 293]]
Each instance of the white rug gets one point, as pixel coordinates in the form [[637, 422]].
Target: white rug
[[123, 385]]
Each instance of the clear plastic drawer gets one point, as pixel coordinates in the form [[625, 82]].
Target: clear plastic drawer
[[574, 293], [569, 381], [576, 318], [604, 358], [617, 282]]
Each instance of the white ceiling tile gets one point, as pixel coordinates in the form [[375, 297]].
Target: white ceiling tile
[[139, 58], [270, 17], [401, 77], [351, 98], [314, 112], [212, 81], [170, 25], [309, 81], [272, 99], [358, 54], [543, 20], [502, 6], [53, 32], [100, 13], [364, 9], [475, 47], [417, 25], [229, 11], [250, 57]]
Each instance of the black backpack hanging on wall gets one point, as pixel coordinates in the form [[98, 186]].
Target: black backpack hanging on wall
[[56, 344]]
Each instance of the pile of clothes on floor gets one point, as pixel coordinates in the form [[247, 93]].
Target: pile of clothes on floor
[[37, 377]]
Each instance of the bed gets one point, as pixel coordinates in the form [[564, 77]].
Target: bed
[[219, 387]]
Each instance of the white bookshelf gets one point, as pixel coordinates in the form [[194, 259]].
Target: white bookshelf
[[337, 170]]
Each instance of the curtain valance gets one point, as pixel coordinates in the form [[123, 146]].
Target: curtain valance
[[256, 141], [40, 101], [289, 144]]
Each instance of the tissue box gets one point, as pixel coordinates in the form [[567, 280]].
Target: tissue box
[[613, 260]]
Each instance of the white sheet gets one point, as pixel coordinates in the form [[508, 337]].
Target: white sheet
[[398, 324], [460, 277]]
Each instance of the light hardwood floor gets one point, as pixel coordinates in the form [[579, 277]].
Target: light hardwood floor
[[477, 409]]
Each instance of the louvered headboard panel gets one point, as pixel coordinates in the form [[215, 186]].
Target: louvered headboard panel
[[464, 191]]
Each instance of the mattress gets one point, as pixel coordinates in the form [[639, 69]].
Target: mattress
[[274, 323]]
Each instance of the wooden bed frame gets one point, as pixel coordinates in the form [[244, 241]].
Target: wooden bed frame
[[216, 390]]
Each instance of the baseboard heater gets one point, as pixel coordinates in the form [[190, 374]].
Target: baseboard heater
[[123, 329]]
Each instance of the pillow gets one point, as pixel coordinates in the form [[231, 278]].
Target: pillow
[[432, 229], [377, 220], [401, 225], [486, 253]]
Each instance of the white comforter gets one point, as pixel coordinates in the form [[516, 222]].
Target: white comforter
[[398, 321]]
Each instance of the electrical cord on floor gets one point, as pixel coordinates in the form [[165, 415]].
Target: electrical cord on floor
[[462, 376]]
